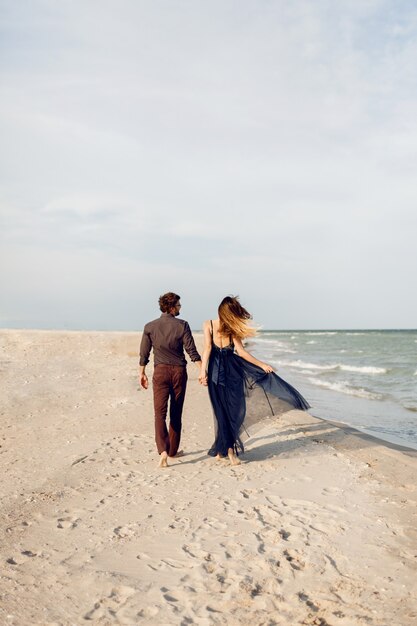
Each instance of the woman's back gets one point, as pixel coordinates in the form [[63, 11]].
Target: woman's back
[[220, 340]]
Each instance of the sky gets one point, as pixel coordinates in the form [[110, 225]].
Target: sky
[[260, 148]]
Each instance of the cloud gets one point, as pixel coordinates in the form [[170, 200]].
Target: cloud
[[211, 143]]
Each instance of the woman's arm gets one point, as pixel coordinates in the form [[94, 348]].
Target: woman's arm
[[244, 354], [206, 352]]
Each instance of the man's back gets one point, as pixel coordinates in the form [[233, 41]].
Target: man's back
[[168, 336]]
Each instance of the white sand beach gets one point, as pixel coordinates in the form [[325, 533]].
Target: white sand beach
[[317, 526]]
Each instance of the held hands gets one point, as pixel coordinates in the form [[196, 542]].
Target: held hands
[[202, 379]]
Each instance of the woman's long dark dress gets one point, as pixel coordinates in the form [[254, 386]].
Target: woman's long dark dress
[[243, 395]]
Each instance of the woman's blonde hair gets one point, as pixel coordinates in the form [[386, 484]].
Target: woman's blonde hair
[[234, 318]]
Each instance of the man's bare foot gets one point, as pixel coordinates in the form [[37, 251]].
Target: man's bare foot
[[232, 456], [179, 453], [163, 461]]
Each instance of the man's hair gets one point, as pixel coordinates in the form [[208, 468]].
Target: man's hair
[[168, 301]]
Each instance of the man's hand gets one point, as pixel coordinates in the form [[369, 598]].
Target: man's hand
[[143, 379], [203, 380]]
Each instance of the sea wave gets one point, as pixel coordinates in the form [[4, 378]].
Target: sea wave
[[309, 366], [276, 345], [287, 350], [322, 332], [365, 369], [343, 387]]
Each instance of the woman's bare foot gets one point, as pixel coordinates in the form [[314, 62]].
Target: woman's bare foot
[[219, 457], [232, 456], [163, 461]]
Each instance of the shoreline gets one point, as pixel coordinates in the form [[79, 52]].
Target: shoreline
[[316, 526], [394, 443], [389, 441]]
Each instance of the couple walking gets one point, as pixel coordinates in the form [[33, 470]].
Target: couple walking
[[242, 389]]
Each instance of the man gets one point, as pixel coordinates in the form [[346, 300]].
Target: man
[[168, 336]]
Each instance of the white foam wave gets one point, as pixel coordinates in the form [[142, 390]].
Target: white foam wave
[[278, 346], [415, 373], [365, 369], [342, 387], [275, 343], [312, 341], [309, 366], [327, 332]]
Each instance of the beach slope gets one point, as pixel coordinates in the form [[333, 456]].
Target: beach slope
[[316, 526]]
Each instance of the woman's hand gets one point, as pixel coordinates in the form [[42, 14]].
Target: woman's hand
[[202, 379], [244, 354]]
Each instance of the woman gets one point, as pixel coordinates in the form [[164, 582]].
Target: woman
[[242, 389]]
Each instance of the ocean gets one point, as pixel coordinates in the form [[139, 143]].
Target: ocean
[[364, 378]]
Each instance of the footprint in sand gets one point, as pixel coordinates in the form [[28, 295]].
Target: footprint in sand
[[122, 532], [173, 563], [261, 544], [304, 598], [268, 517], [106, 609], [67, 522], [196, 553], [169, 598], [331, 491], [284, 534], [275, 500], [321, 528], [157, 566], [149, 612], [195, 587], [294, 560], [22, 557], [251, 587], [181, 524], [212, 522], [209, 568], [104, 500]]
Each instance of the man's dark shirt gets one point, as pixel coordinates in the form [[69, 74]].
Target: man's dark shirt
[[168, 336]]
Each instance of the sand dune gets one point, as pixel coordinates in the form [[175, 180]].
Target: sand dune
[[315, 527]]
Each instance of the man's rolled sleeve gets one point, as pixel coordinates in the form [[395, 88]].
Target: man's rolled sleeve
[[189, 344], [145, 348]]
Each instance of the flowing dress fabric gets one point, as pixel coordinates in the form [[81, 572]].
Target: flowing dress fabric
[[243, 396]]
